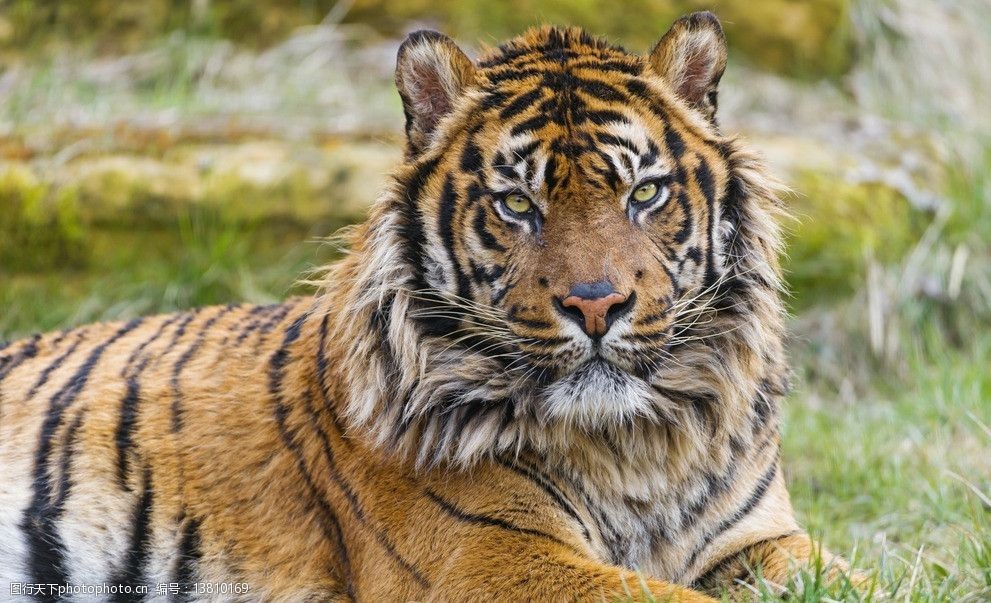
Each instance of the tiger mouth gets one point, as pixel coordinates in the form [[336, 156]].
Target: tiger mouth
[[598, 364], [600, 367]]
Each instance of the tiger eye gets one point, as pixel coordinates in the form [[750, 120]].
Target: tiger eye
[[518, 203], [645, 192]]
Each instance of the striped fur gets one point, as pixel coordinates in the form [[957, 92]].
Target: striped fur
[[431, 425]]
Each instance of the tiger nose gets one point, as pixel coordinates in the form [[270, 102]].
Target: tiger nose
[[595, 306]]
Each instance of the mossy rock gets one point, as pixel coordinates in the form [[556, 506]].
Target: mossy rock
[[793, 37], [49, 223], [40, 225], [839, 226], [246, 182]]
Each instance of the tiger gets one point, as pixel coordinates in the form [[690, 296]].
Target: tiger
[[547, 366]]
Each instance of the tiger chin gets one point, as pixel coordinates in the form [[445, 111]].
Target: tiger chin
[[548, 368]]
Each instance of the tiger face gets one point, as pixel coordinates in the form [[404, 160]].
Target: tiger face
[[566, 215], [583, 228]]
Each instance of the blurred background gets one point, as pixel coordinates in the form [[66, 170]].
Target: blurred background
[[171, 153]]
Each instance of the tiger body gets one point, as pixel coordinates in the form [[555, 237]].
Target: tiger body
[[451, 417], [181, 449]]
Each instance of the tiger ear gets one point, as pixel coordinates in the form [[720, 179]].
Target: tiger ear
[[691, 57], [431, 73]]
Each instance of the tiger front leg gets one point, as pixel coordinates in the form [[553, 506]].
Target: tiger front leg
[[776, 561], [522, 567]]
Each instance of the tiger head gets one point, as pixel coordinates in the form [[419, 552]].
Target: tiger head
[[571, 246]]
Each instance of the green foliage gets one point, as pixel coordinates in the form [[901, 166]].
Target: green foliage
[[112, 26], [905, 459], [839, 227], [969, 185], [788, 36], [199, 259]]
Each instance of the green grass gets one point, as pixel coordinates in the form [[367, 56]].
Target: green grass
[[901, 475], [201, 260]]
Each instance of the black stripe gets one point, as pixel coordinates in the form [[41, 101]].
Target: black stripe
[[144, 344], [282, 310], [132, 572], [125, 428], [733, 200], [475, 193], [556, 495], [486, 238], [650, 156], [685, 228], [601, 90], [46, 552], [611, 537], [512, 316], [412, 229], [550, 174], [638, 89], [254, 320], [65, 460], [674, 142], [180, 329], [706, 181], [484, 275], [573, 147], [322, 367], [713, 576], [485, 520], [609, 175], [617, 141], [188, 559], [132, 396], [505, 170], [279, 359], [609, 65], [510, 74], [44, 522], [703, 175], [525, 153], [445, 227], [352, 497], [624, 158], [45, 374], [534, 123], [330, 525], [466, 412], [521, 103], [25, 352], [471, 158], [760, 490], [602, 117]]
